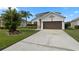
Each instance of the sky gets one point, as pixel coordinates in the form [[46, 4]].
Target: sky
[[69, 12]]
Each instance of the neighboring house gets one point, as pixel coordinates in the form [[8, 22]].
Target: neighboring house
[[23, 23], [75, 22], [49, 20], [1, 22]]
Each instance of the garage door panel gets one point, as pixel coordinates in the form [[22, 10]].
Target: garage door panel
[[52, 25]]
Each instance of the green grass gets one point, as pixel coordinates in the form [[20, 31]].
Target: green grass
[[73, 33], [6, 40]]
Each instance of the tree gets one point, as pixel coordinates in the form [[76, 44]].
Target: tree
[[12, 19], [67, 25], [26, 14]]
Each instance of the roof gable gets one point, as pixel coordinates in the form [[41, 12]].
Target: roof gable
[[40, 15]]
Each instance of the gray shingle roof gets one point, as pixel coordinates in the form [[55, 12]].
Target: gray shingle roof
[[41, 14], [44, 13], [75, 19]]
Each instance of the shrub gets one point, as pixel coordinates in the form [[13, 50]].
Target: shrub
[[2, 27], [67, 25], [76, 27], [31, 27]]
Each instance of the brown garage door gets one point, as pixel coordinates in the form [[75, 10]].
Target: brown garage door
[[52, 25]]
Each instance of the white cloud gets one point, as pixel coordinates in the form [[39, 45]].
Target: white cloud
[[76, 11], [66, 16], [15, 8], [4, 8], [71, 15], [65, 8]]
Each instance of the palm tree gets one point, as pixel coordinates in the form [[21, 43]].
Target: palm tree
[[12, 19], [26, 15]]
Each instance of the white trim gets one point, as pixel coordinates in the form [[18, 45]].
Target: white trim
[[41, 25], [63, 26]]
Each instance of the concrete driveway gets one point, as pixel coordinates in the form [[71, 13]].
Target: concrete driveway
[[46, 40]]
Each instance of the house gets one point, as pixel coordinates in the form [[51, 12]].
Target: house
[[23, 23], [1, 22], [75, 22], [49, 20]]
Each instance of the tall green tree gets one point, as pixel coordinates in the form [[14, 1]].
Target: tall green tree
[[26, 14], [12, 19]]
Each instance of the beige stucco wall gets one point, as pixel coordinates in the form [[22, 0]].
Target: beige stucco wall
[[55, 18], [23, 24], [74, 23], [47, 18], [1, 23], [78, 22]]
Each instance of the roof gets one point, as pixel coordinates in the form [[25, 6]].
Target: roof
[[41, 14], [75, 19], [44, 13]]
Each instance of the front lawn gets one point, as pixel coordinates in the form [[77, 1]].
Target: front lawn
[[6, 40], [74, 33]]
